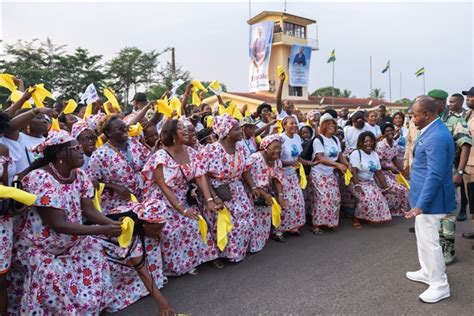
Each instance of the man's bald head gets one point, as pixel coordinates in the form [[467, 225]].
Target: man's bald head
[[425, 111], [427, 104]]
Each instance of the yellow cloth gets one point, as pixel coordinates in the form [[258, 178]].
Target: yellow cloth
[[308, 123], [55, 124], [175, 104], [231, 110], [133, 198], [16, 95], [215, 87], [110, 95], [347, 177], [135, 130], [70, 107], [279, 126], [203, 228], [258, 139], [88, 111], [98, 142], [224, 227], [210, 121], [198, 85], [303, 181], [276, 213], [125, 238], [401, 179], [6, 81], [39, 94], [195, 99], [163, 107], [280, 71], [97, 197], [17, 195]]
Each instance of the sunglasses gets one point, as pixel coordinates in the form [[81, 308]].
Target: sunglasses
[[77, 147], [92, 138]]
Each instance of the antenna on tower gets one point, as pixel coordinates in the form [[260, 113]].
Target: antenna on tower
[[285, 7]]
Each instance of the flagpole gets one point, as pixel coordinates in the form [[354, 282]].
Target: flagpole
[[333, 66], [370, 75], [400, 85], [423, 83], [390, 82]]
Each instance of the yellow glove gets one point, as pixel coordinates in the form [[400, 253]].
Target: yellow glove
[[276, 213], [17, 195], [125, 238], [97, 197], [347, 177], [224, 227], [303, 181], [203, 228]]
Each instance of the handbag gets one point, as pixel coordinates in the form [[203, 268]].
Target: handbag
[[223, 191], [192, 193]]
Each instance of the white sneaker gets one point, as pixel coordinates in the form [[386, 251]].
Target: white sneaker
[[417, 276], [434, 296]]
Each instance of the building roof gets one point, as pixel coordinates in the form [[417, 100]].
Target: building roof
[[264, 14]]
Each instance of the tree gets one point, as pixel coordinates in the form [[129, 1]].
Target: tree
[[166, 79], [405, 101], [326, 92], [346, 93], [377, 94]]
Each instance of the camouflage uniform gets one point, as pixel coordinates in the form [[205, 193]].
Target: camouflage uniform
[[458, 127]]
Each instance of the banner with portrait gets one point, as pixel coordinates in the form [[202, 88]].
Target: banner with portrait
[[260, 46], [300, 58]]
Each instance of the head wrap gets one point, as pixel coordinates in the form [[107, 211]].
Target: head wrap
[[78, 128], [247, 120], [438, 94], [186, 121], [268, 140], [223, 124], [93, 120], [54, 138], [312, 113]]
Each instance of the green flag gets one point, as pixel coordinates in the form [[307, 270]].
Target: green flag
[[386, 67], [420, 72], [332, 58]]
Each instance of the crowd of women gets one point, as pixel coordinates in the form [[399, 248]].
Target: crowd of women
[[172, 175]]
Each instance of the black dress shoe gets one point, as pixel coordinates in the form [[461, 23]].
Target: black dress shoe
[[461, 217], [278, 238], [411, 230], [468, 235]]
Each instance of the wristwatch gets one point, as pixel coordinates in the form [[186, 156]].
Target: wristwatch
[[461, 172]]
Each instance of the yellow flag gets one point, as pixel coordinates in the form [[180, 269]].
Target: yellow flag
[[110, 95], [276, 213], [133, 198], [195, 99], [70, 107], [39, 94], [303, 181], [97, 197], [224, 227], [203, 228], [16, 95], [175, 104], [88, 111], [280, 71], [209, 121], [17, 195], [6, 81], [135, 130], [279, 126], [125, 238], [401, 179], [198, 85], [55, 124], [163, 107], [347, 177], [98, 142], [215, 87], [226, 110]]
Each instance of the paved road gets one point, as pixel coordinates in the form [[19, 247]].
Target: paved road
[[345, 272]]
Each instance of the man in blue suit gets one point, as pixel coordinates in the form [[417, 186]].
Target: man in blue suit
[[431, 196]]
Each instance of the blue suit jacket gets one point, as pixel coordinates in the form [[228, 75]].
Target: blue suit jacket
[[432, 188]]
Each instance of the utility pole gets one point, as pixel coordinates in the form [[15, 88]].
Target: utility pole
[[173, 63], [370, 75]]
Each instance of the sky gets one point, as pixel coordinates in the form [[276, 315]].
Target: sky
[[211, 38]]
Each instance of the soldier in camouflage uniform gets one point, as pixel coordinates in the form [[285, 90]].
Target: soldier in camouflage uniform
[[458, 127]]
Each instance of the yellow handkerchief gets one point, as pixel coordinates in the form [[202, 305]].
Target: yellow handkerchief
[[258, 139], [163, 107], [98, 142], [401, 179], [226, 110], [276, 213], [133, 198], [280, 71], [110, 95], [279, 126], [203, 228], [55, 124], [16, 95], [347, 177], [17, 195], [198, 85], [210, 121], [88, 111], [70, 107], [125, 238], [40, 94], [195, 99], [175, 104], [135, 130], [97, 197], [303, 181], [215, 87], [6, 81], [237, 114], [224, 227]]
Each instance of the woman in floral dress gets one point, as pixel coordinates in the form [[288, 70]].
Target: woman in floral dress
[[388, 151], [118, 164], [371, 203], [226, 163], [59, 268], [324, 182], [267, 174], [167, 174]]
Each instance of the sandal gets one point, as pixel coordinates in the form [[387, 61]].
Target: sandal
[[278, 238], [316, 230], [217, 264], [356, 225], [165, 280]]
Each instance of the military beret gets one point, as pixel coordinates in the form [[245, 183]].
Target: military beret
[[438, 94]]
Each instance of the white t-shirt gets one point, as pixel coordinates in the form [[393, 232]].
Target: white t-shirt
[[19, 148], [374, 129], [366, 164], [29, 142], [351, 134], [250, 145], [331, 150], [290, 150], [341, 122], [283, 114], [11, 167]]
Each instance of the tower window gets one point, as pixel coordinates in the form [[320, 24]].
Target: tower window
[[295, 91], [295, 30]]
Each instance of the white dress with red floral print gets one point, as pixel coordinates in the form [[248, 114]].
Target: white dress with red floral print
[[222, 168], [262, 174], [397, 198], [55, 273], [6, 225], [182, 247]]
